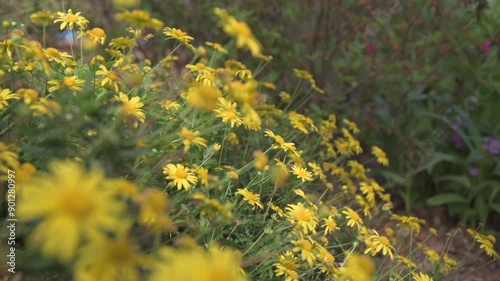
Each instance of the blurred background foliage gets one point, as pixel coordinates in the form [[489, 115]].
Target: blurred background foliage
[[420, 77]]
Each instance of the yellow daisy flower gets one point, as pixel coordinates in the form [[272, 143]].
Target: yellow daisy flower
[[353, 218], [227, 111], [71, 82], [179, 35], [302, 173], [180, 176], [302, 217], [252, 198], [191, 137], [69, 20], [132, 107]]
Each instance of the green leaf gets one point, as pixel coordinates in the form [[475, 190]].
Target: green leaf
[[439, 157], [463, 180], [481, 207], [445, 198]]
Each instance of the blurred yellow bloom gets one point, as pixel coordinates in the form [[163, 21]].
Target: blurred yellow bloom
[[71, 82], [203, 97], [240, 30], [198, 265], [97, 35], [358, 268], [42, 17], [139, 18], [261, 160], [109, 78], [218, 47], [72, 201], [191, 137], [380, 155]]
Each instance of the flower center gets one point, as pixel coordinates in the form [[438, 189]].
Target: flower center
[[304, 215], [112, 75], [69, 82], [77, 203], [72, 18], [181, 174]]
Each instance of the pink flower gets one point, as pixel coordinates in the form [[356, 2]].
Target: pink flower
[[485, 46], [369, 48]]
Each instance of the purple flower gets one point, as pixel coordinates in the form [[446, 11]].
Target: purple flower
[[491, 145], [474, 171], [485, 46], [369, 48]]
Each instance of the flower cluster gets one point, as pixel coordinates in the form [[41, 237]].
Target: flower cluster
[[129, 171]]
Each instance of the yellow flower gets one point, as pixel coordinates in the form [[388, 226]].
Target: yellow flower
[[357, 169], [377, 243], [203, 97], [72, 201], [302, 217], [285, 97], [6, 95], [191, 137], [277, 209], [179, 35], [352, 126], [107, 258], [71, 82], [180, 176], [380, 155], [132, 107], [97, 35], [29, 95], [406, 261], [227, 111], [261, 160], [62, 58], [8, 159], [109, 78], [139, 18], [202, 174], [486, 242], [42, 17], [330, 225], [302, 173], [218, 47], [170, 104], [281, 144], [198, 265], [69, 20], [353, 218], [421, 277], [287, 266], [305, 247], [359, 268], [412, 223], [252, 198]]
